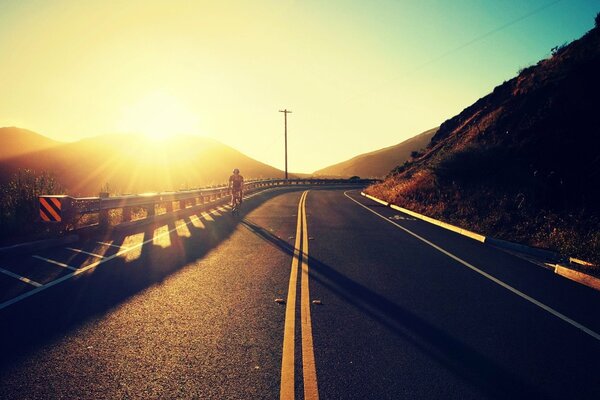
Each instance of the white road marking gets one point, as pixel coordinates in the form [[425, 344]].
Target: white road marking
[[488, 276], [48, 260], [84, 252], [21, 278], [400, 217], [112, 245], [76, 271]]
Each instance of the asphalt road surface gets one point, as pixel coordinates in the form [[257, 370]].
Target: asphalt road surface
[[306, 294]]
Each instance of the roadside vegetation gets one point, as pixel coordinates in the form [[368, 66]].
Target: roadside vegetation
[[19, 205], [530, 214]]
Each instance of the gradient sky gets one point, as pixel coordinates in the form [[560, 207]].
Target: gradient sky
[[358, 75]]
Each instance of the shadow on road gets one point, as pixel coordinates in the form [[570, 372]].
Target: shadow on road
[[467, 363], [28, 326]]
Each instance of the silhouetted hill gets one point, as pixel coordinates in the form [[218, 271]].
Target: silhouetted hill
[[377, 164], [16, 141], [523, 162], [134, 164]]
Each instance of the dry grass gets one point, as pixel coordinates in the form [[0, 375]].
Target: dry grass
[[19, 206], [496, 212]]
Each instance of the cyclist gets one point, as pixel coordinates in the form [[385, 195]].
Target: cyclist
[[236, 184]]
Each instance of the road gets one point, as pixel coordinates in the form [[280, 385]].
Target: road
[[307, 294]]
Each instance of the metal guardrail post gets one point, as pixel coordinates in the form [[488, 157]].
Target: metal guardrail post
[[68, 213], [127, 212], [103, 218]]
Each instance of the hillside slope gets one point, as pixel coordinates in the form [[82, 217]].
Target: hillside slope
[[377, 164], [522, 163], [16, 141], [132, 164]]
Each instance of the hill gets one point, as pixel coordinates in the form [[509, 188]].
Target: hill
[[134, 164], [377, 164], [16, 141], [522, 163]]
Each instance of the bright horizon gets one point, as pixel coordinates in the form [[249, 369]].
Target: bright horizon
[[358, 76]]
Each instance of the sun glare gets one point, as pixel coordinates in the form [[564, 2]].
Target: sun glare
[[157, 116]]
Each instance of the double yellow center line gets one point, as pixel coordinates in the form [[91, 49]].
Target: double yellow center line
[[309, 372]]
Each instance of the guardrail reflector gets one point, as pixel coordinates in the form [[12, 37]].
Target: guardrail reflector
[[50, 209]]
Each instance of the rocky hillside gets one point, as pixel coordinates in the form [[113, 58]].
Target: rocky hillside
[[377, 164], [522, 163]]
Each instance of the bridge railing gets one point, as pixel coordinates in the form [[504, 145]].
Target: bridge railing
[[74, 213]]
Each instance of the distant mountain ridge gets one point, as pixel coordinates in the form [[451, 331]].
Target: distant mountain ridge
[[16, 141], [379, 163], [127, 163]]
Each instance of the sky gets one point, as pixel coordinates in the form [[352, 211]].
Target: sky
[[357, 75]]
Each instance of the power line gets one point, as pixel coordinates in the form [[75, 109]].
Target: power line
[[458, 48]]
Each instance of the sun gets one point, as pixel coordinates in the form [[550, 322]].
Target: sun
[[158, 116]]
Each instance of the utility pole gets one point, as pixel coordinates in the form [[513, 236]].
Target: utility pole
[[285, 113]]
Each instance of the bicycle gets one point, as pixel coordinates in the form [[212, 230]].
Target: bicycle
[[236, 202]]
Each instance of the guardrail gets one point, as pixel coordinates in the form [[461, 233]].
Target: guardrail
[[69, 212]]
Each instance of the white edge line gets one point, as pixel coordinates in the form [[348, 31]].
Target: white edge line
[[95, 264], [21, 278], [84, 252], [112, 245], [48, 260], [490, 277]]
